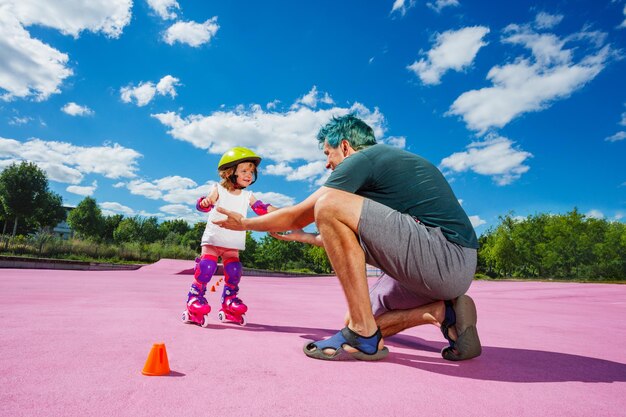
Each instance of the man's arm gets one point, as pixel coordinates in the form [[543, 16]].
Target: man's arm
[[288, 218]]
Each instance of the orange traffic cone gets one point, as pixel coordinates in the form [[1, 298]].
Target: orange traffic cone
[[213, 288], [217, 284], [157, 363]]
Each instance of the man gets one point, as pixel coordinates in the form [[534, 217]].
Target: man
[[394, 210]]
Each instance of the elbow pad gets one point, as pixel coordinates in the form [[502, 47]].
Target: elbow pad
[[202, 209], [259, 208]]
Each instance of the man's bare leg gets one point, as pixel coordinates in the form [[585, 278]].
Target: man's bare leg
[[395, 321], [337, 215]]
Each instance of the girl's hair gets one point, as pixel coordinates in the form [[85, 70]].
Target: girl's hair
[[350, 128], [225, 175]]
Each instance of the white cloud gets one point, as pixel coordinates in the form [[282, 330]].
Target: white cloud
[[595, 214], [83, 190], [191, 33], [312, 98], [28, 67], [145, 91], [164, 8], [476, 221], [110, 208], [623, 24], [67, 163], [545, 20], [532, 84], [309, 171], [616, 137], [173, 189], [438, 5], [74, 109], [71, 17], [166, 85], [402, 6], [494, 157], [397, 141], [623, 121], [454, 50], [272, 104], [17, 121], [288, 137], [275, 199], [177, 210]]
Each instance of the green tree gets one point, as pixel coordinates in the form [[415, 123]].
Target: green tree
[[248, 256], [318, 259], [86, 219], [279, 255], [50, 211], [178, 226], [128, 230], [23, 188], [109, 225], [149, 230], [192, 238]]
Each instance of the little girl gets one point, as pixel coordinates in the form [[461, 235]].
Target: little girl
[[237, 169]]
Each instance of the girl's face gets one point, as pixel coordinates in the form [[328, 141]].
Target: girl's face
[[245, 174]]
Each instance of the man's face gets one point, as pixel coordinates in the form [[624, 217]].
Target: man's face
[[334, 156]]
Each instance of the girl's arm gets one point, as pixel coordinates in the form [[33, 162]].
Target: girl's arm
[[207, 203], [259, 207]]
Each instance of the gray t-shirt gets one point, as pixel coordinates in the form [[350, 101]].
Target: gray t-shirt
[[407, 183]]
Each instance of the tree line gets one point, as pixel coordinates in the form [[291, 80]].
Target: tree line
[[28, 207], [564, 246]]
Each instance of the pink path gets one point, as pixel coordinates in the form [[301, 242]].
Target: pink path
[[74, 343]]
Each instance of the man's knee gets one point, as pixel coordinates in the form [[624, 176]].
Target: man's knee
[[334, 203]]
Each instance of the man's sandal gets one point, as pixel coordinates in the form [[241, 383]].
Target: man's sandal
[[367, 347], [462, 315]]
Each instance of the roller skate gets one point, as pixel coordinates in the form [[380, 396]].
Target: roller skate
[[233, 309], [197, 306]]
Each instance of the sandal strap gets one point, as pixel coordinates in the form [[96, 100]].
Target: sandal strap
[[368, 345], [346, 336]]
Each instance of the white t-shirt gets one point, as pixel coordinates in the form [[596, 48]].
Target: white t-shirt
[[218, 236]]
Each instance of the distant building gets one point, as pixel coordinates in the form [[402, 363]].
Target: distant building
[[63, 230]]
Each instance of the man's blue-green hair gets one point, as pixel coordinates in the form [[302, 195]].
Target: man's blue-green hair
[[350, 128]]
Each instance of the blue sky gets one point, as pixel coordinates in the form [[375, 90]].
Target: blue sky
[[521, 104]]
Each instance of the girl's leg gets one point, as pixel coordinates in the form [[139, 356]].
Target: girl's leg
[[206, 265], [232, 275]]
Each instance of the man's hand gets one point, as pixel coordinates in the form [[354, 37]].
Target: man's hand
[[299, 235], [233, 220], [292, 236]]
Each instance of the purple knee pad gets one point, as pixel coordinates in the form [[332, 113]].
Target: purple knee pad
[[232, 273], [205, 268]]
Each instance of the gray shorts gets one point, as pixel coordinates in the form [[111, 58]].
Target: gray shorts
[[420, 265]]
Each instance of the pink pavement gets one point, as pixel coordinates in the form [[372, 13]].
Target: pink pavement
[[73, 343]]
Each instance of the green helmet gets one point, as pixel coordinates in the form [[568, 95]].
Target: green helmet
[[236, 155]]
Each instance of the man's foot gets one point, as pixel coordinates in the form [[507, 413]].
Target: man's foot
[[459, 328]]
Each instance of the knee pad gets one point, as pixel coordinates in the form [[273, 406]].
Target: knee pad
[[205, 268], [232, 271]]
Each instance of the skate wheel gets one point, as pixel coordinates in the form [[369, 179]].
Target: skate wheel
[[243, 321], [221, 316], [205, 321], [186, 317]]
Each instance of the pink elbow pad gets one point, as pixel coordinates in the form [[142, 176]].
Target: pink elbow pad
[[202, 209], [259, 208]]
